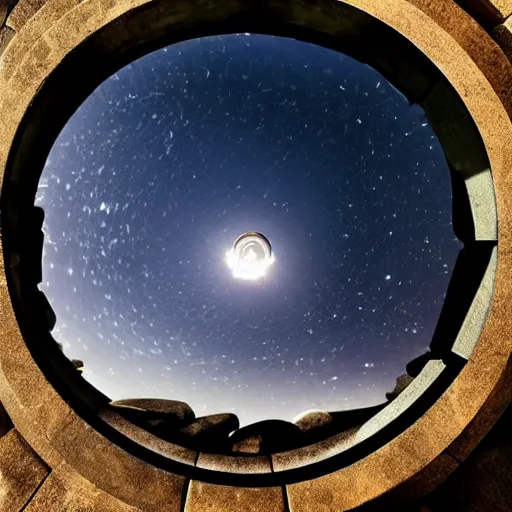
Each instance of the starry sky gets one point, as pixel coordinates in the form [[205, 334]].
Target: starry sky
[[176, 155]]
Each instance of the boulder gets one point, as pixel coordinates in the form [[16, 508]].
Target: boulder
[[251, 445], [78, 364], [266, 437], [402, 381], [414, 367], [313, 421], [156, 414], [210, 433]]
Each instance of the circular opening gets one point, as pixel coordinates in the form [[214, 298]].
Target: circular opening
[[332, 24], [174, 156]]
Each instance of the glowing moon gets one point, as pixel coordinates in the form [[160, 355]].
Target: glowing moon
[[251, 256]]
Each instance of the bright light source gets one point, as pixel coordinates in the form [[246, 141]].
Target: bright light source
[[251, 256]]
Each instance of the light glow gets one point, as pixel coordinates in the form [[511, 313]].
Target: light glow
[[250, 258]]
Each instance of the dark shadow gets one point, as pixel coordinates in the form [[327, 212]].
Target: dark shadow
[[462, 216], [467, 275]]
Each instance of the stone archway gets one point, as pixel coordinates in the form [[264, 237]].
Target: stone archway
[[67, 459]]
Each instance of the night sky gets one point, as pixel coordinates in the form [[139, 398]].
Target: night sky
[[179, 153]]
